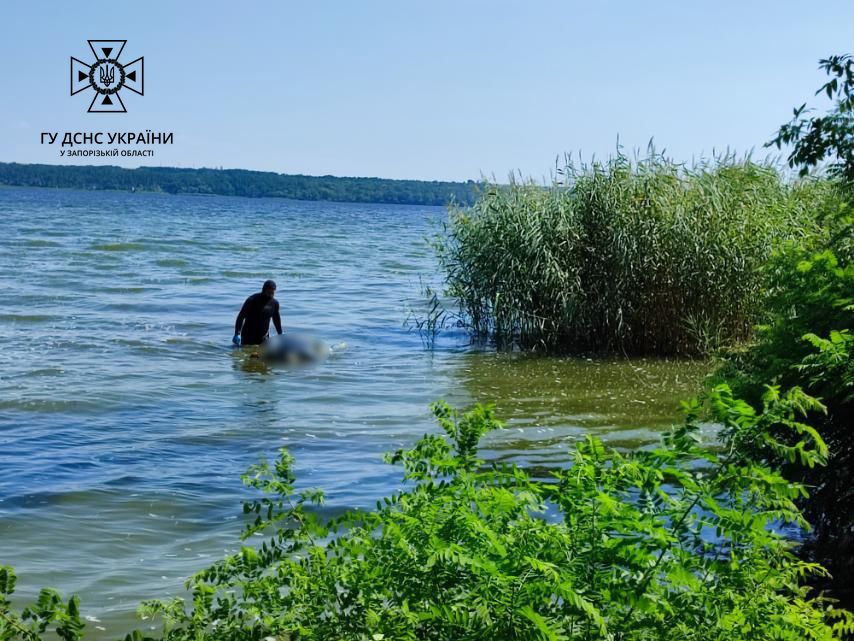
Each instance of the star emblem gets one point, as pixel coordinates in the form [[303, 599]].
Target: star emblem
[[107, 76]]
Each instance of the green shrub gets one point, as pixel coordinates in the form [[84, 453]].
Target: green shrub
[[678, 542], [808, 341], [643, 257], [807, 338], [825, 141], [49, 612], [648, 546]]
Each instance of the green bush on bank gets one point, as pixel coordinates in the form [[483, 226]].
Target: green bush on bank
[[636, 257], [808, 341], [807, 338], [680, 542]]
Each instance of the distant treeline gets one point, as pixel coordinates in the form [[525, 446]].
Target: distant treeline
[[239, 182]]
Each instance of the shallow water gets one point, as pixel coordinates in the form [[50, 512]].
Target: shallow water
[[126, 419]]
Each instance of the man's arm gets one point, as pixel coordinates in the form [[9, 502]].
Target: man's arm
[[277, 320], [238, 324]]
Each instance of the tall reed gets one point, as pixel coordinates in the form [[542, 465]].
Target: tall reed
[[624, 256]]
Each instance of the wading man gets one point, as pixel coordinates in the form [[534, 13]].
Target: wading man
[[253, 322]]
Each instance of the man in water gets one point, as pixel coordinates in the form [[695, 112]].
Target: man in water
[[252, 326]]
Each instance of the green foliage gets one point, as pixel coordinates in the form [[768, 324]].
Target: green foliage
[[678, 542], [643, 257], [48, 613], [810, 312], [817, 139], [807, 341], [239, 182], [673, 543]]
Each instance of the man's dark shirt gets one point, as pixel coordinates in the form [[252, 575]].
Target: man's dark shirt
[[253, 321]]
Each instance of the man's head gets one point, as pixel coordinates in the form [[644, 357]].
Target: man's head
[[269, 288]]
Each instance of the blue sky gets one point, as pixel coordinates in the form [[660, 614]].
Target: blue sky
[[437, 90]]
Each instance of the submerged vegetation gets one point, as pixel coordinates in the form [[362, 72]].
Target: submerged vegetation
[[622, 256], [679, 542]]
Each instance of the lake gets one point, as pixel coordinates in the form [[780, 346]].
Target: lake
[[126, 418]]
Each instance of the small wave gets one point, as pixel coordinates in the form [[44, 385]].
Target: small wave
[[397, 266], [47, 371], [35, 242], [120, 247], [171, 262], [337, 348], [26, 318], [128, 290], [51, 406], [235, 274]]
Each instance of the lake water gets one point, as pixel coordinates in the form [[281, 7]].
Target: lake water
[[126, 418]]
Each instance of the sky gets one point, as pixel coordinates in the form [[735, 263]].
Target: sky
[[439, 89]]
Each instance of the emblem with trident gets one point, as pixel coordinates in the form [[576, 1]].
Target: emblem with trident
[[107, 75]]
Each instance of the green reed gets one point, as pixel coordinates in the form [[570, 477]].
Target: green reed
[[626, 256]]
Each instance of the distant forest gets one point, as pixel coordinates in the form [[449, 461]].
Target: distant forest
[[239, 182]]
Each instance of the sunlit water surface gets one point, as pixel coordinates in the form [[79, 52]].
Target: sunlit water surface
[[126, 418]]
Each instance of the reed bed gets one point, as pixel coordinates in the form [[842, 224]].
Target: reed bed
[[632, 256]]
